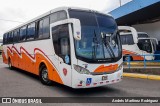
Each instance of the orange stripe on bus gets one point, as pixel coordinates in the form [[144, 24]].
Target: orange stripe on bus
[[133, 54], [25, 61], [109, 68]]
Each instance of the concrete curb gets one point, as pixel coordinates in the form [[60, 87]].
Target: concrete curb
[[144, 76]]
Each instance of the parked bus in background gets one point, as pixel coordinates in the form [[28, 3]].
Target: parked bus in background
[[79, 48], [136, 44]]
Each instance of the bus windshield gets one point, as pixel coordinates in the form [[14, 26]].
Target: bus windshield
[[93, 46]]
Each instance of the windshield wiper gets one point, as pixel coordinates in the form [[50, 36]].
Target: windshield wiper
[[107, 45], [95, 44]]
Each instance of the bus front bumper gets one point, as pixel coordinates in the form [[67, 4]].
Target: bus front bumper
[[89, 81]]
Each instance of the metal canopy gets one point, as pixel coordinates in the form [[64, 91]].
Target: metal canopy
[[137, 12], [144, 15]]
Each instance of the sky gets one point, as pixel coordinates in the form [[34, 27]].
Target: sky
[[19, 11]]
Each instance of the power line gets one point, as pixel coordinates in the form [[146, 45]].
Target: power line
[[11, 20]]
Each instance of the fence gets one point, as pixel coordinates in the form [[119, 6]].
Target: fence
[[144, 62]]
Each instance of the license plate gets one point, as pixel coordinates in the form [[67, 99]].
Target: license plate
[[104, 78]]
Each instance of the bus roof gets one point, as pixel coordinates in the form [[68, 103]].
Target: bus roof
[[52, 11]]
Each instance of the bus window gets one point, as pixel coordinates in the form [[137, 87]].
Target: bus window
[[4, 39], [22, 34], [11, 37], [43, 28], [54, 17], [16, 36], [145, 44], [61, 40], [40, 27], [31, 32], [46, 28], [58, 16], [127, 39], [143, 35]]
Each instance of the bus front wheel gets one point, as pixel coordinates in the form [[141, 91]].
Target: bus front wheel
[[44, 75]]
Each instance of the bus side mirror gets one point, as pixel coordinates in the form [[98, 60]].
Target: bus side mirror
[[76, 29]]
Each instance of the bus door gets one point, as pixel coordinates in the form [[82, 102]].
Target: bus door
[[61, 34], [61, 43]]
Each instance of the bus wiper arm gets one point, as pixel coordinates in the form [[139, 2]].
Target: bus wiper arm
[[107, 45], [95, 44]]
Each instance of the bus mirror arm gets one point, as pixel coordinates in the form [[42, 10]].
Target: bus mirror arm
[[75, 24]]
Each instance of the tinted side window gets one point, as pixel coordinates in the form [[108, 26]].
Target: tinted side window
[[23, 34], [61, 42], [7, 38], [30, 31], [145, 44], [43, 28], [11, 37], [16, 35], [127, 39], [143, 36], [46, 28], [123, 39], [58, 16], [40, 29], [4, 38]]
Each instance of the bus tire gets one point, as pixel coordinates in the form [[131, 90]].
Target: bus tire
[[44, 75], [10, 64]]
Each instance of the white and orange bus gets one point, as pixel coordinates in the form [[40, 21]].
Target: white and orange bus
[[79, 48], [136, 45]]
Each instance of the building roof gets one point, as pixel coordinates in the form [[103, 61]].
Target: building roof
[[137, 12]]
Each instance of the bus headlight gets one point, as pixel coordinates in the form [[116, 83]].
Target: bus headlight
[[81, 70], [120, 67]]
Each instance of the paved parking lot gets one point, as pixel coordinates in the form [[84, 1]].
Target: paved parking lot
[[17, 83]]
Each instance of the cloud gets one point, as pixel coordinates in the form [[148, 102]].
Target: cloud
[[24, 10]]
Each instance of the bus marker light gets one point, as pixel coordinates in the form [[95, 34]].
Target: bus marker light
[[94, 83], [80, 85], [101, 82], [64, 71], [107, 81], [81, 82]]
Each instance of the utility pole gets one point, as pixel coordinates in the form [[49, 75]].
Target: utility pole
[[120, 3]]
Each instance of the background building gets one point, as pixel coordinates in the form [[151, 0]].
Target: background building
[[144, 15]]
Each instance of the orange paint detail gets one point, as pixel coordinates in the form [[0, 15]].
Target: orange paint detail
[[31, 63], [4, 58], [109, 68], [134, 55]]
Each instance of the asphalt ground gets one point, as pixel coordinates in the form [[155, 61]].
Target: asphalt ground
[[18, 83]]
